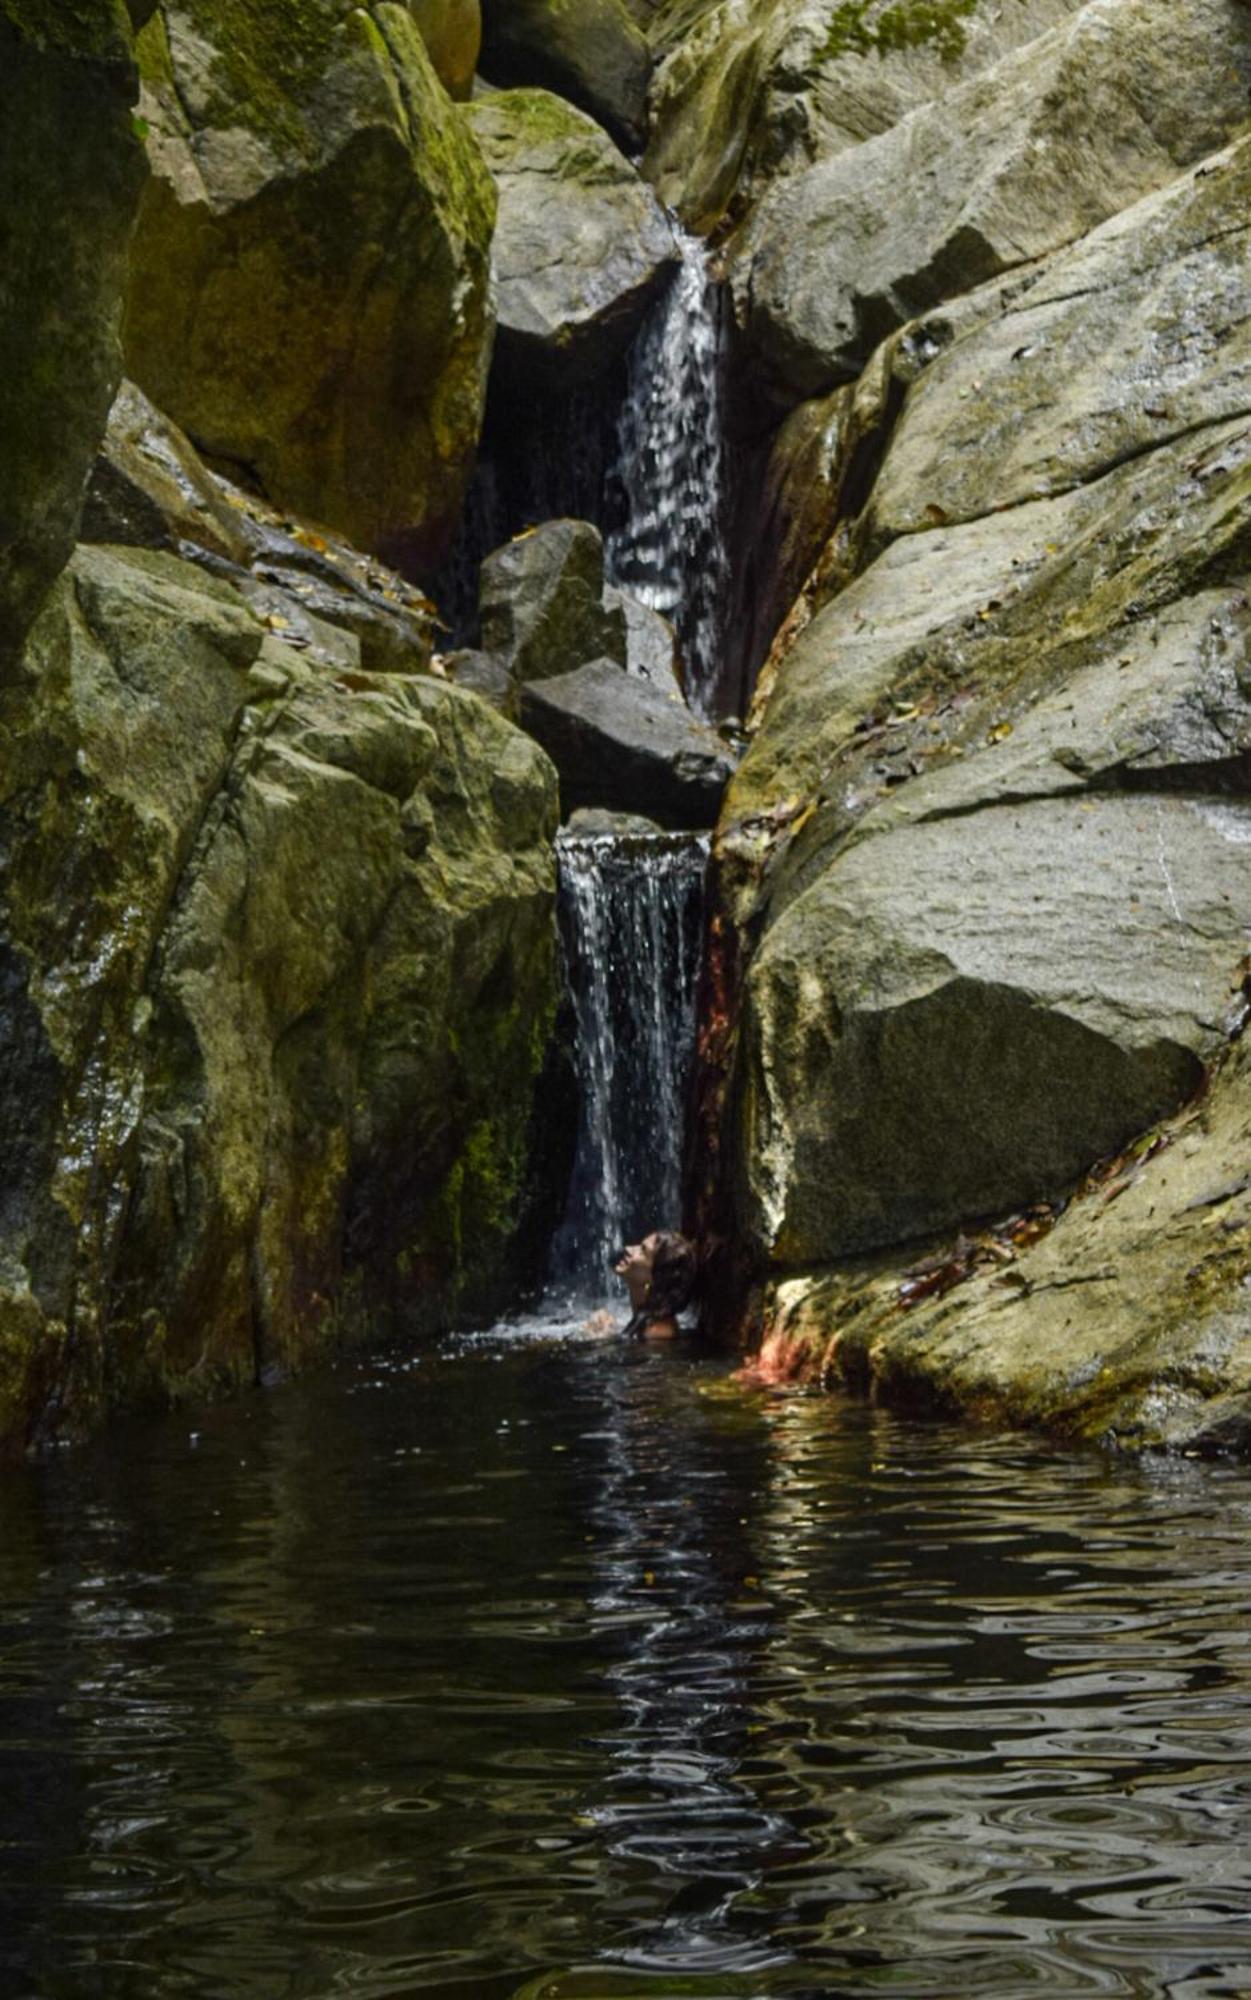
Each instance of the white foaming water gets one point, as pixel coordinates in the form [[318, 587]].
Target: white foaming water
[[631, 913], [670, 550]]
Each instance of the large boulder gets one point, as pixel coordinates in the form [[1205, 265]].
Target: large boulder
[[1136, 336], [1123, 1319], [310, 284], [66, 212], [1002, 921], [581, 245], [541, 601], [620, 743], [747, 91], [278, 970], [1042, 147], [960, 1017], [590, 51], [982, 867]]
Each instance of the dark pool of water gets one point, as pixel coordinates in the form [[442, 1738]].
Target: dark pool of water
[[577, 1670]]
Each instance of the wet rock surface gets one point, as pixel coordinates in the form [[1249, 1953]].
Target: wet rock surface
[[283, 959]]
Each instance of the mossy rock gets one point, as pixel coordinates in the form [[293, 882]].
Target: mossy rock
[[279, 971], [582, 245], [310, 295], [65, 217]]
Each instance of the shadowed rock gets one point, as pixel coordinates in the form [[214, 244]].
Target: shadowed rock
[[617, 742], [589, 51], [150, 489], [66, 211]]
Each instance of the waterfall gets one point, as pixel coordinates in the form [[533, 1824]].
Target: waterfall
[[631, 909], [670, 473]]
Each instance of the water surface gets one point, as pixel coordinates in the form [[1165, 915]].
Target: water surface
[[576, 1669]]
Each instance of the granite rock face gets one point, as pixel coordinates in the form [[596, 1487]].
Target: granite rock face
[[1039, 149], [581, 245], [65, 218], [310, 285], [749, 92], [982, 866], [279, 969]]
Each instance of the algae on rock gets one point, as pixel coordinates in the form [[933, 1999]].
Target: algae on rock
[[310, 286], [280, 955]]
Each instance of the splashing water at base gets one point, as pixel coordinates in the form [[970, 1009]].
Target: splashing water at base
[[670, 470], [631, 910]]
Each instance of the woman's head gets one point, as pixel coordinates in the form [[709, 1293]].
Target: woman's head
[[660, 1273]]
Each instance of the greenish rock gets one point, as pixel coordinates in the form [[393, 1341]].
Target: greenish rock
[[959, 1017], [150, 489], [278, 975], [1039, 149], [66, 213], [581, 245], [590, 51], [541, 599], [1127, 1324], [452, 33], [310, 284]]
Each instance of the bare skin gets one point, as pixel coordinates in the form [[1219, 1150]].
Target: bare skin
[[635, 1269]]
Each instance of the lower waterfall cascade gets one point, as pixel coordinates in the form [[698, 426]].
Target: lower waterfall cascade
[[631, 909]]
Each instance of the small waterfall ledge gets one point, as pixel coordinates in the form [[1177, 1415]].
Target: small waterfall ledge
[[670, 547], [631, 910]]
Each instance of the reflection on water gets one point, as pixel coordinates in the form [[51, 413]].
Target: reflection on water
[[571, 1669]]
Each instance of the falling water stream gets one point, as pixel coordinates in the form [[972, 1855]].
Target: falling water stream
[[631, 915], [670, 548]]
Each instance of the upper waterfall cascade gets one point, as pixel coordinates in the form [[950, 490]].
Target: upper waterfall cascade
[[670, 548]]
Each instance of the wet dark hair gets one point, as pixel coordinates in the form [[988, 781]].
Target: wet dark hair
[[675, 1268]]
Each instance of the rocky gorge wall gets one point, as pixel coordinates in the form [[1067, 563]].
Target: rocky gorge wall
[[278, 955], [984, 897]]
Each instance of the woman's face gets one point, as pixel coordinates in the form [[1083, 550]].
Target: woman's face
[[635, 1268]]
